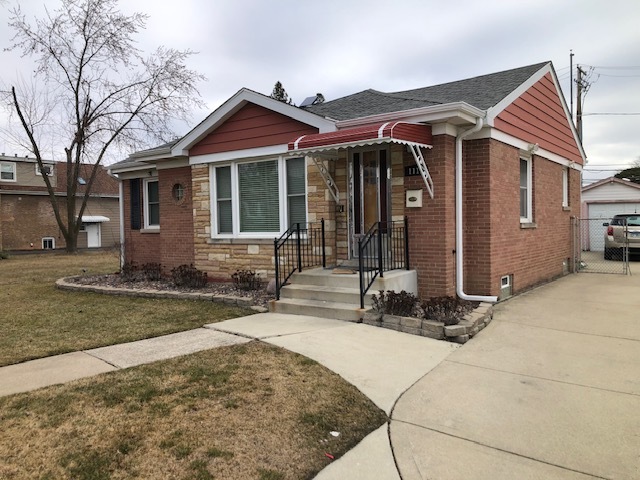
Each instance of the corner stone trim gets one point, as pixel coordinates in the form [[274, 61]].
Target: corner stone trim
[[469, 326], [65, 284]]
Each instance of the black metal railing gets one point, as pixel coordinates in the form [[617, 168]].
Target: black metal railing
[[301, 246], [384, 247]]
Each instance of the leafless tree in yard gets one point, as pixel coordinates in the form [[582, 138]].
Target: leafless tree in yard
[[94, 91]]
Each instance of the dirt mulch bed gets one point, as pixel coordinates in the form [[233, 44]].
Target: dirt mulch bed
[[259, 297]]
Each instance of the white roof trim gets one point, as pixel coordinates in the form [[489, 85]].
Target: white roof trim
[[130, 168], [270, 151], [522, 145], [234, 104], [94, 219], [435, 113], [494, 111]]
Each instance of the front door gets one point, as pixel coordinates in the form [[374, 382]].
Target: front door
[[368, 193]]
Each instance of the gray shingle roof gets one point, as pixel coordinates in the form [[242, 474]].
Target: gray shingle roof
[[482, 92]]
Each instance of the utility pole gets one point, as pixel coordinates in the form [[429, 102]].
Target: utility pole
[[580, 85], [571, 82]]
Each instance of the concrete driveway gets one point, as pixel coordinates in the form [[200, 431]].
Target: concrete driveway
[[550, 389]]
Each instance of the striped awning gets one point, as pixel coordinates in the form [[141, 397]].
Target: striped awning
[[416, 134]]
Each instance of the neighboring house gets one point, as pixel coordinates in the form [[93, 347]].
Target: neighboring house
[[602, 200], [27, 221], [503, 142]]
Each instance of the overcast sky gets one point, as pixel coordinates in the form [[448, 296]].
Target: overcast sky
[[339, 47]]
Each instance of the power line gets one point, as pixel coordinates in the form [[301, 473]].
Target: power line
[[612, 113]]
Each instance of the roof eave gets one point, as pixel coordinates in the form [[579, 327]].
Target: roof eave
[[457, 113]]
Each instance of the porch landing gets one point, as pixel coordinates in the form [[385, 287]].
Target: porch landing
[[335, 293]]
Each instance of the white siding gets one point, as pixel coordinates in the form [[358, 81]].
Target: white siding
[[611, 191]]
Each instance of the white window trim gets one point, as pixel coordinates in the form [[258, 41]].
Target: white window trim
[[53, 243], [529, 217], [565, 187], [38, 172], [15, 174], [235, 196], [145, 198]]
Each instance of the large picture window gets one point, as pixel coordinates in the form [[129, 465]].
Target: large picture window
[[259, 198]]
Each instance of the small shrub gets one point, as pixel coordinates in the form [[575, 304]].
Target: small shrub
[[151, 271], [392, 303], [448, 310], [188, 276], [4, 255], [129, 272], [246, 280]]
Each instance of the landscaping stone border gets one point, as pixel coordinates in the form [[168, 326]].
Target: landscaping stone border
[[65, 284], [468, 327]]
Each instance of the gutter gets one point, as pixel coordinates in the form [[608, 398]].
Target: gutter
[[459, 231]]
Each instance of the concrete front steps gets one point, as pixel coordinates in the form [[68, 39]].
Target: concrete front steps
[[322, 293]]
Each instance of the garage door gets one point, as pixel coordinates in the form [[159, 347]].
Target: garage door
[[605, 211]]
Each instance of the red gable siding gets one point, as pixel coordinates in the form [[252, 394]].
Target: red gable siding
[[537, 116], [252, 126]]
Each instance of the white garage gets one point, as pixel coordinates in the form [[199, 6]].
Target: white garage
[[600, 202]]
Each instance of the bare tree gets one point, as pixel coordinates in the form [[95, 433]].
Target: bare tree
[[98, 92]]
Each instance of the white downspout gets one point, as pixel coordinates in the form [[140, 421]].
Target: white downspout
[[459, 231], [121, 198]]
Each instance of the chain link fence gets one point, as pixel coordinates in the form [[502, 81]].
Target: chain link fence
[[600, 247]]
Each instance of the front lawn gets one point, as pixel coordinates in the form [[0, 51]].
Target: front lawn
[[250, 411], [38, 320]]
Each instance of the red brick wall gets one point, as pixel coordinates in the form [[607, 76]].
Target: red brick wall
[[432, 227], [176, 218], [172, 245], [139, 246], [478, 215], [26, 219], [495, 242]]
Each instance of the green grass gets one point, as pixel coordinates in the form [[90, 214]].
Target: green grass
[[38, 320]]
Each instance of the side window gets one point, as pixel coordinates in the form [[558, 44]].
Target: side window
[[565, 187], [8, 172], [296, 192], [526, 203], [151, 204]]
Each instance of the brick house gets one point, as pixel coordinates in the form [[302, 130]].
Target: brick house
[[27, 221], [486, 172]]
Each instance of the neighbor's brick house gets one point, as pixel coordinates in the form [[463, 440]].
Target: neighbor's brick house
[[219, 196], [27, 221]]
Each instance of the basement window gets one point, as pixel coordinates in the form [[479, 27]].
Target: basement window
[[48, 243], [506, 288]]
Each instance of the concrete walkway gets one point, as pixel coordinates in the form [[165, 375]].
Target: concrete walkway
[[550, 389]]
